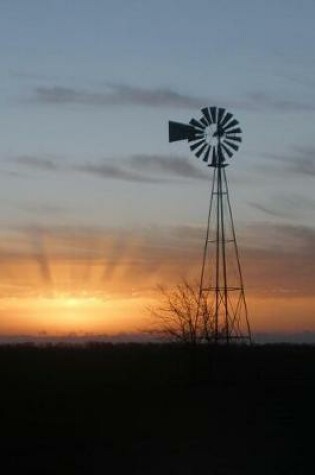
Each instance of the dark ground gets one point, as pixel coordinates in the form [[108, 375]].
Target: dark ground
[[157, 409]]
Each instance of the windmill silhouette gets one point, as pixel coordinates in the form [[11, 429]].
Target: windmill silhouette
[[214, 138]]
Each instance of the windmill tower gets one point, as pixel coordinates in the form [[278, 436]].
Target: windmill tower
[[214, 138]]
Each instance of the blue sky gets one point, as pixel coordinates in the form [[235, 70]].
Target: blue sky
[[88, 87]]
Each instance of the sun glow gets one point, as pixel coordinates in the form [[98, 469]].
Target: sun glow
[[63, 313], [91, 285]]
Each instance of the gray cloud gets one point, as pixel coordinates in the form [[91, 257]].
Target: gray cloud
[[116, 172], [278, 260], [145, 169], [304, 236], [286, 206], [271, 211], [300, 160], [35, 162], [167, 164], [270, 102], [281, 237], [126, 95], [303, 161], [140, 168], [117, 95]]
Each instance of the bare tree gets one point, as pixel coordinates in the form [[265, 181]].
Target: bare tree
[[182, 315]]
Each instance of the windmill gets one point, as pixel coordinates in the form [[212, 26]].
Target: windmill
[[214, 138]]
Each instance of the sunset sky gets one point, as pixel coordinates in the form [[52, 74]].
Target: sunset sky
[[97, 208]]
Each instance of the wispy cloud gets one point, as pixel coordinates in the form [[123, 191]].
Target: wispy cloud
[[144, 168], [127, 95], [286, 206], [275, 103], [278, 259], [116, 172], [139, 168], [300, 160], [117, 95], [40, 163], [179, 166], [270, 210]]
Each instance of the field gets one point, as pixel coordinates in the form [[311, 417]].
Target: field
[[157, 409]]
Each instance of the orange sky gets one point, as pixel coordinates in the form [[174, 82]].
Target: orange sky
[[59, 281]]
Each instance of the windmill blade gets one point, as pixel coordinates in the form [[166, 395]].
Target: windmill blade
[[230, 124], [206, 155], [220, 114], [233, 137], [199, 152], [197, 124], [238, 130], [221, 156], [179, 131], [213, 112], [206, 114], [196, 145], [231, 144], [231, 150], [228, 116], [227, 150], [204, 121], [198, 135]]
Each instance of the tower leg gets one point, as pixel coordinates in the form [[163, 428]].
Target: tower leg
[[221, 284]]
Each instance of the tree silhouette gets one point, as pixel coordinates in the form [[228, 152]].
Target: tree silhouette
[[182, 315]]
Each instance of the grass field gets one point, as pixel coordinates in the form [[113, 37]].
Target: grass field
[[157, 409]]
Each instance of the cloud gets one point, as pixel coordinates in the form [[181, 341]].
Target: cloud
[[46, 164], [111, 265], [126, 95], [40, 260], [145, 169], [117, 95], [139, 168], [179, 166], [274, 103], [271, 211], [286, 206], [277, 261], [303, 161], [299, 161], [116, 172]]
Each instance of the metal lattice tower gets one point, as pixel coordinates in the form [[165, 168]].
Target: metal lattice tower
[[214, 138]]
